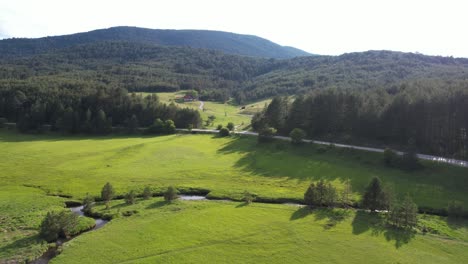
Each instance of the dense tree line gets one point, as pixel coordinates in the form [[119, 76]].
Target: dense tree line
[[78, 107], [436, 124], [142, 67]]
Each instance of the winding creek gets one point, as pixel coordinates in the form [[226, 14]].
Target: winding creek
[[52, 252]]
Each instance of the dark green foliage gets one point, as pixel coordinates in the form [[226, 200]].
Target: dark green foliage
[[170, 194], [3, 121], [403, 214], [409, 161], [160, 127], [130, 197], [322, 194], [58, 224], [147, 193], [192, 94], [88, 203], [375, 96], [297, 136], [203, 39], [132, 124], [455, 209], [210, 120], [276, 113], [346, 193], [374, 197], [391, 158], [248, 197], [223, 132], [373, 116], [107, 193], [129, 213], [219, 127], [266, 134], [169, 127], [230, 126]]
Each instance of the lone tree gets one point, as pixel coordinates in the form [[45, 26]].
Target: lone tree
[[88, 203], [130, 197], [147, 193], [374, 196], [171, 194], [310, 196], [107, 194], [409, 212], [390, 157], [230, 126], [346, 193], [404, 214], [297, 136], [248, 197], [455, 209], [223, 132], [58, 224]]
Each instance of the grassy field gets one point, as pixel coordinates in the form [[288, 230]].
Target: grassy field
[[36, 165], [224, 113], [22, 210], [228, 232], [225, 166]]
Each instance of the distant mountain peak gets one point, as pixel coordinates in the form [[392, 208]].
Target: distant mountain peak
[[227, 42]]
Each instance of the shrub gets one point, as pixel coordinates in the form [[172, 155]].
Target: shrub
[[390, 157], [410, 161], [107, 193], [219, 127], [455, 209], [230, 126], [223, 132], [297, 136], [266, 134], [130, 197], [88, 203], [58, 224], [248, 197], [169, 127], [129, 212], [147, 193], [170, 194]]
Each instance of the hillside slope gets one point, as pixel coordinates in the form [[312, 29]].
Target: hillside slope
[[230, 43]]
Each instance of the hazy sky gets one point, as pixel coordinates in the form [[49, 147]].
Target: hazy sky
[[322, 27]]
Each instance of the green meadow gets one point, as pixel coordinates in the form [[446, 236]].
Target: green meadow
[[232, 232], [34, 168], [224, 113]]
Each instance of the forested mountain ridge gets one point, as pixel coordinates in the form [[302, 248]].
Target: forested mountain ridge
[[391, 97], [230, 43]]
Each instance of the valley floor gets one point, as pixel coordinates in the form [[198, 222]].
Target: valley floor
[[36, 167]]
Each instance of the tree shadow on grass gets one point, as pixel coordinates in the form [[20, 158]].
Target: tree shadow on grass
[[401, 236], [457, 223], [376, 224], [157, 204], [301, 213], [244, 204], [24, 242], [333, 216]]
